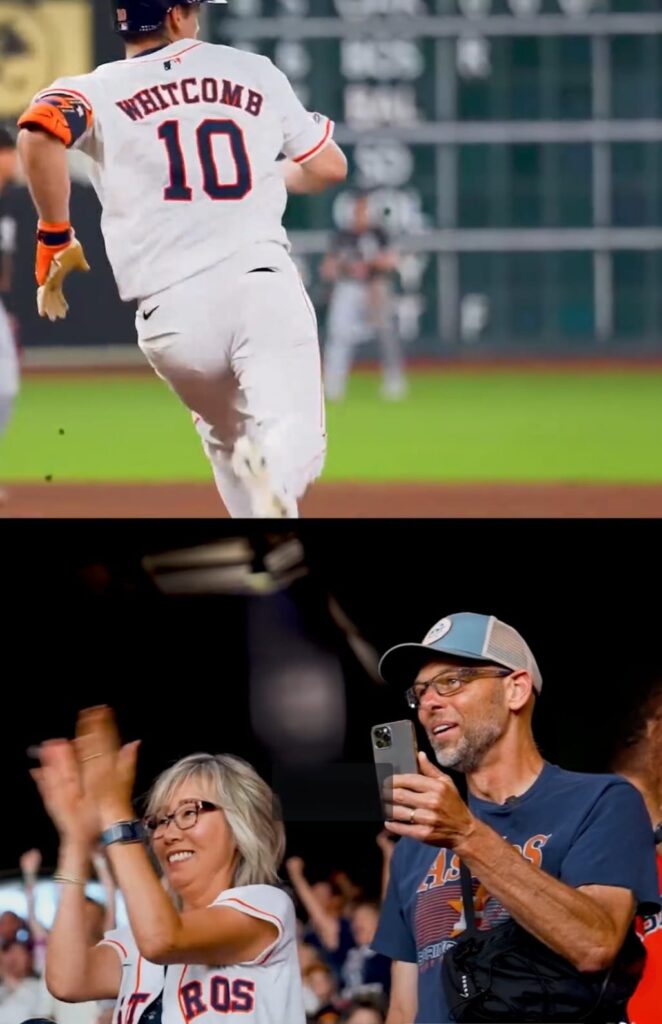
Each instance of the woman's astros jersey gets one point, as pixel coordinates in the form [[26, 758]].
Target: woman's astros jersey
[[266, 990], [184, 142]]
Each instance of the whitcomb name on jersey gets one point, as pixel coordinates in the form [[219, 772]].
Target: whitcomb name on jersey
[[190, 91]]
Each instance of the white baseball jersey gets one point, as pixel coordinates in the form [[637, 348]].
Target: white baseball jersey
[[184, 142], [267, 990]]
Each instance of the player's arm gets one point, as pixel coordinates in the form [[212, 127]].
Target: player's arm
[[403, 1003], [53, 123], [44, 160], [313, 161], [385, 261], [316, 174]]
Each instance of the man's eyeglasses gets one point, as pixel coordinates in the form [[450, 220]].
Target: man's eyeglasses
[[186, 816], [447, 683]]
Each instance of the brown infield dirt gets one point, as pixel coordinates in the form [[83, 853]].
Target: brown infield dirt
[[340, 501]]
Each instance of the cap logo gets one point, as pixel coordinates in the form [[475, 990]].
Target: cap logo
[[438, 630]]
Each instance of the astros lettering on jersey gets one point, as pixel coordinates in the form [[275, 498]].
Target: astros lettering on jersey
[[266, 990]]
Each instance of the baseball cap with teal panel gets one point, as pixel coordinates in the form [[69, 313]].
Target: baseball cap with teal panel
[[467, 635]]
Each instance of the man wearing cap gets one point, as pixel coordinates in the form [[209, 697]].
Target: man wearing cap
[[569, 856]]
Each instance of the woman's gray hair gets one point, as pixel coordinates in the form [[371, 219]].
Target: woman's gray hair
[[250, 807]]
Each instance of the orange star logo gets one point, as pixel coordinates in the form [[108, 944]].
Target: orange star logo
[[481, 897]]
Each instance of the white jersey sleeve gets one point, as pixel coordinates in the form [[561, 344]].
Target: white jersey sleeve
[[123, 943], [267, 903], [305, 133]]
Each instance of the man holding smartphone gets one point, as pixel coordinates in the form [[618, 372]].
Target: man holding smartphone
[[569, 856]]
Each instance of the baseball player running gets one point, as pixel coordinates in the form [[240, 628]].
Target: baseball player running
[[184, 139]]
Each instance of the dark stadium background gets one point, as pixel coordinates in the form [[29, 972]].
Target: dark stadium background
[[84, 624]]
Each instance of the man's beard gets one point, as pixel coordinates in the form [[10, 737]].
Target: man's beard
[[467, 754]]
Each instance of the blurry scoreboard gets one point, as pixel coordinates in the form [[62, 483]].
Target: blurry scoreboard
[[512, 149]]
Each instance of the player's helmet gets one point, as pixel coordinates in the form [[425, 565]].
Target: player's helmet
[[147, 15]]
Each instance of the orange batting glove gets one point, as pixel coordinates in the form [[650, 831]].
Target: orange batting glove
[[58, 253]]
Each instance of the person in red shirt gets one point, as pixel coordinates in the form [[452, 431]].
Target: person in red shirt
[[639, 759]]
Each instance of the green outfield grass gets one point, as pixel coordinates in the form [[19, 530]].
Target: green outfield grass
[[489, 426]]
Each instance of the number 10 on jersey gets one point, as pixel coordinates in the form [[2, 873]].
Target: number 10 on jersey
[[206, 134]]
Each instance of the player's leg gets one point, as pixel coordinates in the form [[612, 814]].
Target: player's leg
[[186, 340], [276, 360], [343, 330], [394, 383]]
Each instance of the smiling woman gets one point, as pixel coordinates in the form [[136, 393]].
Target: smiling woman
[[225, 943]]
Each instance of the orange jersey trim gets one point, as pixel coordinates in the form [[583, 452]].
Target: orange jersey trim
[[315, 149], [114, 942]]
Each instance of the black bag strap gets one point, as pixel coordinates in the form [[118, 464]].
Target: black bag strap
[[468, 899], [465, 875]]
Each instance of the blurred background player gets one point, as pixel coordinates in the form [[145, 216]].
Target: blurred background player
[[360, 267], [9, 369]]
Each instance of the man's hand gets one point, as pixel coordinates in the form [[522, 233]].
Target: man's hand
[[440, 815], [58, 253]]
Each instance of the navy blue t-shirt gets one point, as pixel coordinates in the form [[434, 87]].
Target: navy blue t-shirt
[[582, 829]]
